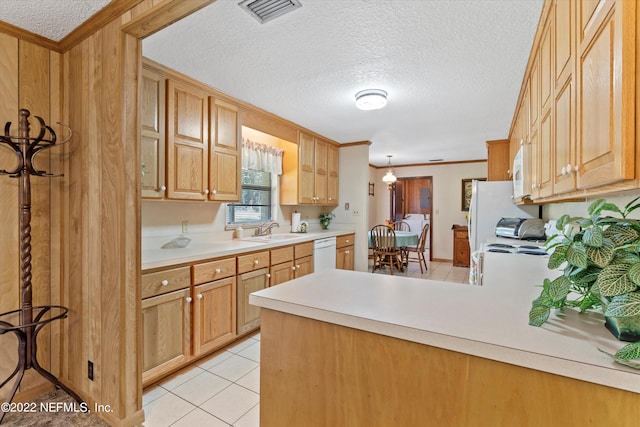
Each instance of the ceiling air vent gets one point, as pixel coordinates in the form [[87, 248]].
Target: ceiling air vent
[[266, 10]]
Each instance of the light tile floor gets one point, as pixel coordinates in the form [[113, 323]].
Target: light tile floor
[[220, 391], [443, 271], [224, 390]]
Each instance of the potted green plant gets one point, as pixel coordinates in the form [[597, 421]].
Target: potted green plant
[[600, 260], [325, 219]]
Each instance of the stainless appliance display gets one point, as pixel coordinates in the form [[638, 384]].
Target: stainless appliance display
[[521, 228], [490, 202]]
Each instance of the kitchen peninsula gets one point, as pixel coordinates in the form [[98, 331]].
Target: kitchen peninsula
[[353, 348]]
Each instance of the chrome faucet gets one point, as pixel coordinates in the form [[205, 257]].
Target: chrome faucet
[[264, 229]]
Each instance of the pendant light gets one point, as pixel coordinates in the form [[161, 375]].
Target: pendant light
[[389, 178]]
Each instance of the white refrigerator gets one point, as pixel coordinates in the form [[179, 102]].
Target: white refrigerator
[[490, 201]]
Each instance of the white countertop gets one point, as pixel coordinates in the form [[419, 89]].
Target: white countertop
[[489, 321], [206, 246]]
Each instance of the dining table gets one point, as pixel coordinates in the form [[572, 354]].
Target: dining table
[[403, 238]]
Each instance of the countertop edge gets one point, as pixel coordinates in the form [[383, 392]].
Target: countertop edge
[[555, 365], [180, 257]]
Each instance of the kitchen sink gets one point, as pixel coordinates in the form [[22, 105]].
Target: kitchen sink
[[273, 237]]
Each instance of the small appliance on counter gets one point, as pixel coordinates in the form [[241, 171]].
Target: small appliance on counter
[[521, 228]]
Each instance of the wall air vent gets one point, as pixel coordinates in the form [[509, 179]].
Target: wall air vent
[[266, 10]]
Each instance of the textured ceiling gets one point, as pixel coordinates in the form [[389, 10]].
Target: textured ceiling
[[452, 68], [52, 19]]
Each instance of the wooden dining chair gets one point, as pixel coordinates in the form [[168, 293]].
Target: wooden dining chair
[[401, 226], [385, 251], [416, 253]]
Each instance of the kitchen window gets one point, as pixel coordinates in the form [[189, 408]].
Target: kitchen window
[[256, 199]]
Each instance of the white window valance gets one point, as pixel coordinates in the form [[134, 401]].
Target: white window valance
[[261, 157]]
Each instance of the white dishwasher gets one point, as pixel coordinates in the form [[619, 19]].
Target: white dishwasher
[[324, 254]]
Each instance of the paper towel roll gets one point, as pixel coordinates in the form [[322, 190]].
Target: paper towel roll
[[295, 222]]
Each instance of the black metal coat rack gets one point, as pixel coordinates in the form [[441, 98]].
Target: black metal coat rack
[[31, 319]]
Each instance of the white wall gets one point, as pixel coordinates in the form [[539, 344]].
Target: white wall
[[354, 190], [555, 211], [446, 199]]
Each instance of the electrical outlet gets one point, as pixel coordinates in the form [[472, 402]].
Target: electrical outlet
[[185, 227], [90, 370], [355, 212]]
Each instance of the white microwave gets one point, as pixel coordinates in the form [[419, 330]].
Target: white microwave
[[518, 174]]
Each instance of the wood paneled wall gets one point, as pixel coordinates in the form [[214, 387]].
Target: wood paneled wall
[[86, 225], [30, 79]]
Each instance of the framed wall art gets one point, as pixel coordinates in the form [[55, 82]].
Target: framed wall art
[[466, 192]]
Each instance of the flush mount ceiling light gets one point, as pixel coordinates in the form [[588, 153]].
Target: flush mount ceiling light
[[389, 178], [371, 99]]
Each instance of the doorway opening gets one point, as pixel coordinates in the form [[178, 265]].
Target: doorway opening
[[412, 202]]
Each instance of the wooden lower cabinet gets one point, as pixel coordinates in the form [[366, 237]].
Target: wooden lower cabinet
[[339, 375], [214, 316], [249, 315], [344, 258], [461, 251], [282, 268], [166, 334], [303, 253], [344, 252]]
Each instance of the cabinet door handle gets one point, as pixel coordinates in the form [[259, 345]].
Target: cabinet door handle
[[256, 262], [297, 266], [163, 187], [215, 191], [293, 268], [206, 191], [347, 241], [189, 299], [347, 252], [218, 271], [165, 282], [564, 170], [199, 296], [268, 275]]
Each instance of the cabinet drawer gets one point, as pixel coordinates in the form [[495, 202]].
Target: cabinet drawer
[[281, 255], [460, 234], [342, 241], [252, 262], [214, 270], [165, 281], [303, 250]]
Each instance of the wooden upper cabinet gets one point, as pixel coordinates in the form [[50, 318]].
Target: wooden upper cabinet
[[152, 134], [306, 168], [224, 168], [564, 175], [318, 162], [333, 166], [187, 142], [320, 172], [605, 92], [498, 160]]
